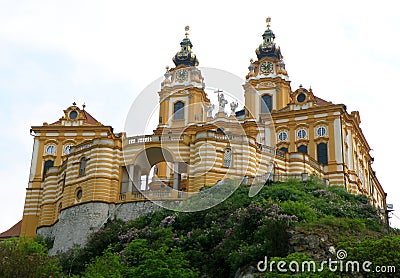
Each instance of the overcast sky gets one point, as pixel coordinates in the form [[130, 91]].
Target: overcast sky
[[104, 53]]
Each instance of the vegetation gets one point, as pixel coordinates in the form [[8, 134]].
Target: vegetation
[[22, 257], [229, 238]]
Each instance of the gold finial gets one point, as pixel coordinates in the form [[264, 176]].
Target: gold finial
[[167, 67], [268, 22], [187, 30], [83, 106]]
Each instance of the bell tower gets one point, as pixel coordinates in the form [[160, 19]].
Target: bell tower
[[267, 86], [183, 100]]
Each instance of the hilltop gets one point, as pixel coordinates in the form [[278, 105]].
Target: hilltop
[[289, 221]]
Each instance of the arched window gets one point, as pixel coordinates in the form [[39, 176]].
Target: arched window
[[321, 131], [47, 165], [227, 158], [266, 104], [361, 178], [282, 136], [51, 149], [178, 110], [284, 149], [124, 180], [301, 133], [63, 182], [322, 152], [302, 149], [82, 166]]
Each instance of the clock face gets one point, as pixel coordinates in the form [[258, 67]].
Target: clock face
[[181, 75], [266, 68]]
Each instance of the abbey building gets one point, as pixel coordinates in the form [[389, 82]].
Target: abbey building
[[82, 172]]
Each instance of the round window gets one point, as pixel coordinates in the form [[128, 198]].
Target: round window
[[321, 131], [301, 134], [79, 194], [301, 97], [73, 114], [282, 136], [51, 149]]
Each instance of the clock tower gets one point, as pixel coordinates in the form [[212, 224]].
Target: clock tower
[[183, 101], [267, 86]]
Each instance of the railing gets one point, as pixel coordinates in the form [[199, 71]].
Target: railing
[[314, 163], [153, 195], [222, 136], [280, 153], [267, 149], [265, 178], [94, 142], [153, 138]]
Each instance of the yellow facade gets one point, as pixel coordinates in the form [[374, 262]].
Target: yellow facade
[[280, 133], [53, 143]]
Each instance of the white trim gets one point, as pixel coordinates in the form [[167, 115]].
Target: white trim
[[282, 121], [350, 150], [321, 115], [34, 161], [301, 118], [338, 143], [89, 134]]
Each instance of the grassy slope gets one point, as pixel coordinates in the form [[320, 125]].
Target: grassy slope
[[234, 235]]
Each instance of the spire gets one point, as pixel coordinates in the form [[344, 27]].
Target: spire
[[268, 48], [185, 56]]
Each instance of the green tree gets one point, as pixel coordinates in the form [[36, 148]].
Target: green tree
[[383, 252], [161, 263], [23, 257], [107, 265]]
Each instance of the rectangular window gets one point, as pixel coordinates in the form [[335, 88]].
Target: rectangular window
[[228, 158], [322, 152]]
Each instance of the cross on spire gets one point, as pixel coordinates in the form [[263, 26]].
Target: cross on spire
[[187, 30], [268, 20]]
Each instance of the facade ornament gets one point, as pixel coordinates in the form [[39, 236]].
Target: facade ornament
[[234, 105], [210, 109], [221, 100], [251, 66], [167, 74], [266, 84]]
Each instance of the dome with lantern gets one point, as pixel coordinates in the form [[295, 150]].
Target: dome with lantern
[[268, 48], [185, 56]]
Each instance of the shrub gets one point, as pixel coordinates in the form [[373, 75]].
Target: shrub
[[23, 257]]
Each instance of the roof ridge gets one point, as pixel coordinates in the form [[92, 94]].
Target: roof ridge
[[13, 231]]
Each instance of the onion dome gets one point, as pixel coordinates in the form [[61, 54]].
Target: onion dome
[[268, 48], [185, 56]]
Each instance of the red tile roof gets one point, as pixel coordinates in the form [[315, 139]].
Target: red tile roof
[[322, 102], [13, 231], [89, 118]]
